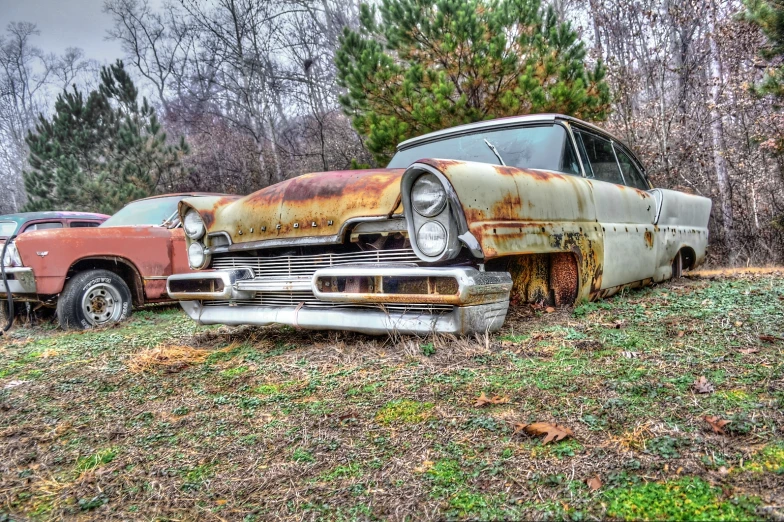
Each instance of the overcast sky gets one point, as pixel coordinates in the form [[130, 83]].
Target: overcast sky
[[65, 23]]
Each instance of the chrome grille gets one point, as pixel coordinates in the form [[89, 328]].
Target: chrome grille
[[307, 265], [303, 267]]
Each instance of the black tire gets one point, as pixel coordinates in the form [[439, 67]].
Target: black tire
[[94, 298]]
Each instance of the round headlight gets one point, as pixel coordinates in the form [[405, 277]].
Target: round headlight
[[193, 225], [196, 255], [431, 238], [428, 196]]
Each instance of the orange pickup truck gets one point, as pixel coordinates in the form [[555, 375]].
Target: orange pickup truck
[[93, 276]]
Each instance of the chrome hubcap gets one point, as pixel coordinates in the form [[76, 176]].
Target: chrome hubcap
[[101, 304]]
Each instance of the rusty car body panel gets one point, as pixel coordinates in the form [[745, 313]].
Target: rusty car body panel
[[144, 256], [351, 239]]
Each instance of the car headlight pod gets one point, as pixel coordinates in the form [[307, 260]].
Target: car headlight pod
[[11, 257], [196, 255], [431, 238], [428, 196], [193, 225]]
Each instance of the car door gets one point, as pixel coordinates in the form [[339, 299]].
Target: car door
[[626, 213]]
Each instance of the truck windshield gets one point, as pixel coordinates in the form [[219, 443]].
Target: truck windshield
[[145, 212], [7, 228], [544, 147]]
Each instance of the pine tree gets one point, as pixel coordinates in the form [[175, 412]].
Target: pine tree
[[416, 66], [769, 16], [100, 152]]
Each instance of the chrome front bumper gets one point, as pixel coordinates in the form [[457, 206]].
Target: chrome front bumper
[[21, 280], [373, 299]]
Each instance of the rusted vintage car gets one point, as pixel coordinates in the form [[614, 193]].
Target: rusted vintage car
[[540, 208], [94, 275]]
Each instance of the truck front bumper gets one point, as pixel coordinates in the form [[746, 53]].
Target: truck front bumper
[[372, 299], [21, 282]]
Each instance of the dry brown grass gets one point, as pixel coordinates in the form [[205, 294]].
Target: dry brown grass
[[170, 358]]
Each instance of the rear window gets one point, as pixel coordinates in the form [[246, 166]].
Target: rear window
[[44, 226], [84, 224], [545, 147], [7, 228]]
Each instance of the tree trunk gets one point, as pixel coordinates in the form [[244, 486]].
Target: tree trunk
[[717, 138]]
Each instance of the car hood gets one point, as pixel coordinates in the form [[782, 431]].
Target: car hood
[[309, 206]]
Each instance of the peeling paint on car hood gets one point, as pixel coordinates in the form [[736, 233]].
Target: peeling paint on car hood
[[313, 205]]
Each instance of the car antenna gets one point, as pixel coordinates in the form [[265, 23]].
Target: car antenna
[[495, 151]]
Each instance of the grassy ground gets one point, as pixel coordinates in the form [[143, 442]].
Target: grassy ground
[[161, 419]]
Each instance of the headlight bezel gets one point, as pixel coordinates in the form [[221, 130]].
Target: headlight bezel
[[193, 214], [451, 216], [11, 259]]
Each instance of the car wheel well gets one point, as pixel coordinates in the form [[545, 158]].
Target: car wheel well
[[119, 266], [688, 258], [552, 279]]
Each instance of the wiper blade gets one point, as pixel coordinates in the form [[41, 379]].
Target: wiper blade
[[495, 151]]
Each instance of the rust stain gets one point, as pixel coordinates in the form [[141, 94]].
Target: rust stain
[[649, 238]]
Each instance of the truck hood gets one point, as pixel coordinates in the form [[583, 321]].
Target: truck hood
[[315, 206]]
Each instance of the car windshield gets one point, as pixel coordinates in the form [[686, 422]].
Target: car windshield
[[544, 147], [7, 228], [145, 212]]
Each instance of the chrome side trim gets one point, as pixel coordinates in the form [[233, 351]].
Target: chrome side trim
[[474, 287], [22, 283], [461, 320], [228, 278]]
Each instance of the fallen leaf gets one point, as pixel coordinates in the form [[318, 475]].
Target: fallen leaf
[[716, 423], [552, 432], [681, 333], [702, 385], [484, 400], [738, 323], [549, 309], [748, 350], [594, 483], [221, 501], [769, 338], [426, 465]]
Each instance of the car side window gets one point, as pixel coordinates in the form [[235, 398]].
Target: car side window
[[44, 226], [599, 158], [569, 163], [84, 224], [631, 173]]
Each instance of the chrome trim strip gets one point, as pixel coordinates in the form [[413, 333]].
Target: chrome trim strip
[[461, 320]]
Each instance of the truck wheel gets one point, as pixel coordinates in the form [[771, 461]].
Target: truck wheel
[[94, 298]]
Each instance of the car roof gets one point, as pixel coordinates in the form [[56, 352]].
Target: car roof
[[181, 194], [499, 123], [24, 217]]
